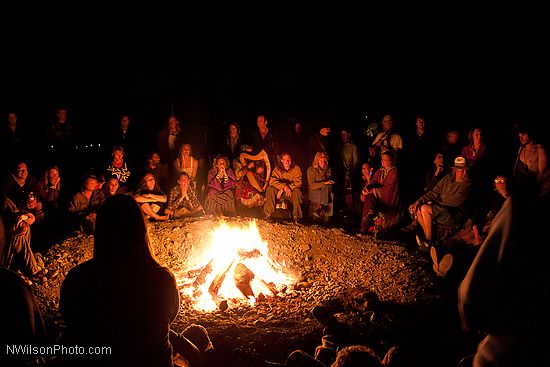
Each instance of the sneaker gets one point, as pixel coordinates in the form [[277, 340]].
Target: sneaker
[[445, 264]]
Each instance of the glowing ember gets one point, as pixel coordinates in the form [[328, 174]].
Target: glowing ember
[[236, 266]]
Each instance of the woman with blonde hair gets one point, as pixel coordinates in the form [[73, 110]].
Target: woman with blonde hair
[[48, 188], [320, 187], [185, 162]]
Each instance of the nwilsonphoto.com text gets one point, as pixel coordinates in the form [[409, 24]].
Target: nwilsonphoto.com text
[[56, 349]]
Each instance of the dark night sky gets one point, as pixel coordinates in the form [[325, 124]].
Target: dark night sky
[[457, 62]]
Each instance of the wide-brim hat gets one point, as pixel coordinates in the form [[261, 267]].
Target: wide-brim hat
[[460, 163]]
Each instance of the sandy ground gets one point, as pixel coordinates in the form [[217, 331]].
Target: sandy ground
[[416, 309]]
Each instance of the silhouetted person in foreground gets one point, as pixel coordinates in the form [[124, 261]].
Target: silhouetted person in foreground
[[20, 319], [121, 298], [502, 296]]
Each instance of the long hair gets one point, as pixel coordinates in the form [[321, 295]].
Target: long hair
[[45, 177], [215, 162], [471, 136], [318, 156], [120, 235], [143, 185]]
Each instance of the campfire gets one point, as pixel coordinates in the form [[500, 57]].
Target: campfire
[[234, 267]]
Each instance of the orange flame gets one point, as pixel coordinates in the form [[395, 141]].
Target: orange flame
[[229, 246]]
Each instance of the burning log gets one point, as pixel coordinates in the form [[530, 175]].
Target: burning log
[[201, 278], [271, 286], [242, 277], [215, 288], [249, 254]]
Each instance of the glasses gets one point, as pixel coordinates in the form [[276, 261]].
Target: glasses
[[500, 180]]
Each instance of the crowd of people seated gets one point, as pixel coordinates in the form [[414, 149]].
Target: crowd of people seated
[[365, 185], [452, 190]]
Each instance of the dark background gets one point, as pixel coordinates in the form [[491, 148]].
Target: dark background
[[460, 63]]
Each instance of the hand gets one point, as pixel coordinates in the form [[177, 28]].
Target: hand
[[477, 237], [329, 182], [288, 191], [54, 181]]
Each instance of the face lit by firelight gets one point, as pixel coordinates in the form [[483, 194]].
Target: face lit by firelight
[[286, 161], [149, 181], [113, 185], [233, 131], [261, 122]]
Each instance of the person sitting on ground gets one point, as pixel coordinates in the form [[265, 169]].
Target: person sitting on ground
[[444, 205], [151, 198], [183, 201], [49, 188], [464, 244], [285, 183], [382, 195], [112, 188], [15, 240], [122, 297], [20, 317], [500, 300], [220, 199], [432, 177], [319, 178], [367, 172], [85, 203], [49, 193], [19, 184], [249, 195]]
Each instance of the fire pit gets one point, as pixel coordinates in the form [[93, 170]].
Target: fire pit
[[304, 266], [232, 267]]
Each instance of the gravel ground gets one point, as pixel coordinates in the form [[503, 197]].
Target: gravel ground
[[415, 308]]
